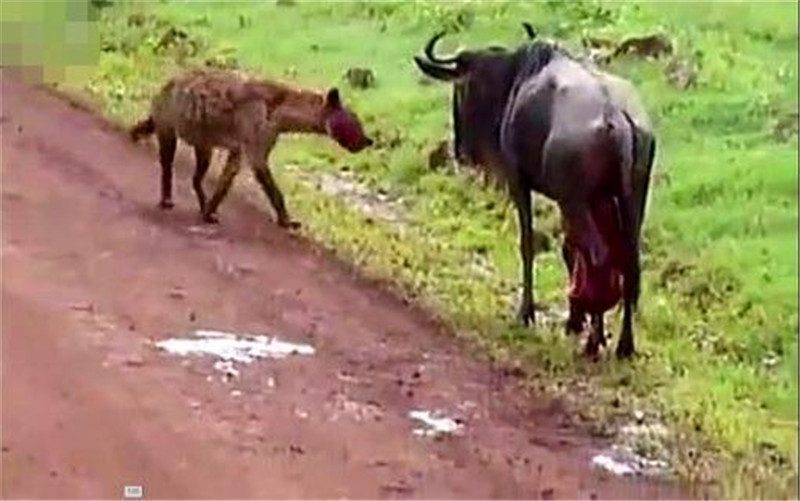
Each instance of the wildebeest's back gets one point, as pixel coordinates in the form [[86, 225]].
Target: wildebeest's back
[[209, 108], [551, 125]]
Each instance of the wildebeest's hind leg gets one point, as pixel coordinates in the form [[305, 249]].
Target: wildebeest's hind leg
[[223, 185], [202, 157], [631, 277], [522, 199], [167, 143]]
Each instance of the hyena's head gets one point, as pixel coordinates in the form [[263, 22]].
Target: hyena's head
[[343, 125]]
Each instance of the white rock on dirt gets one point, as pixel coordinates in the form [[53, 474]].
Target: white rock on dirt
[[230, 349], [435, 423]]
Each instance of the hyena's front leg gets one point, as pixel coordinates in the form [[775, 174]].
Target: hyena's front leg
[[267, 182], [166, 153], [258, 161], [223, 185], [202, 156]]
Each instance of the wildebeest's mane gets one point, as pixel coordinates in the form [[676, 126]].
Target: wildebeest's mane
[[532, 58], [499, 73]]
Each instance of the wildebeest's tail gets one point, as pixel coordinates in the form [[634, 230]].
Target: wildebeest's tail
[[143, 128]]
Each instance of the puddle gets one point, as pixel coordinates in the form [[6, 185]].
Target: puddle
[[639, 450], [606, 462], [552, 315], [230, 348], [205, 230], [344, 185], [435, 424], [481, 265], [623, 461]]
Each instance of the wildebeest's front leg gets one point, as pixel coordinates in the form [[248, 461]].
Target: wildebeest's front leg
[[258, 160], [202, 158], [522, 199], [223, 185], [458, 140]]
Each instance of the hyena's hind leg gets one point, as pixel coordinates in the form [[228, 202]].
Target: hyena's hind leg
[[258, 161], [166, 153], [223, 185], [202, 157]]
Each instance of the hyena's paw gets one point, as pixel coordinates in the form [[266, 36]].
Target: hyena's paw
[[290, 224], [210, 218], [166, 204]]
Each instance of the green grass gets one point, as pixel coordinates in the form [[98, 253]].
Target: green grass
[[718, 325]]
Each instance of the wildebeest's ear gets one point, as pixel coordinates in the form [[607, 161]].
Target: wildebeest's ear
[[332, 100], [529, 30]]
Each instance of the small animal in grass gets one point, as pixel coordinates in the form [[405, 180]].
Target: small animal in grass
[[214, 108]]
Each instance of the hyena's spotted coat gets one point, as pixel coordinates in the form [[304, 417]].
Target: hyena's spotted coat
[[211, 108]]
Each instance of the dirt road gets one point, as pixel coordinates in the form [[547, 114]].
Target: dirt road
[[94, 273]]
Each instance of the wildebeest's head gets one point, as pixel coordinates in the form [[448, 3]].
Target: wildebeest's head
[[343, 125], [481, 80]]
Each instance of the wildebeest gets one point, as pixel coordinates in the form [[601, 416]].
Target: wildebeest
[[212, 108], [556, 126]]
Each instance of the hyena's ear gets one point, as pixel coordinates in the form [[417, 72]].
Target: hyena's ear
[[332, 99]]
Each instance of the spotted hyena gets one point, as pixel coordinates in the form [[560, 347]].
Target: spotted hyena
[[212, 108]]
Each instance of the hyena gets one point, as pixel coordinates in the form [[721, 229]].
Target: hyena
[[213, 108]]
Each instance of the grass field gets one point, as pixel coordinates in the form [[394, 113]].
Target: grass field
[[717, 331]]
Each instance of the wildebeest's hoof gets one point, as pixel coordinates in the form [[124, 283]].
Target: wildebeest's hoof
[[210, 218], [574, 326], [526, 314], [166, 204], [624, 350]]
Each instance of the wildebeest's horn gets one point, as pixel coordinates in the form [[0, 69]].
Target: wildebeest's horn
[[435, 70], [429, 51], [529, 30]]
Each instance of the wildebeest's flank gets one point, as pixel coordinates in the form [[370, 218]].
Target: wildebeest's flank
[[555, 126], [211, 108]]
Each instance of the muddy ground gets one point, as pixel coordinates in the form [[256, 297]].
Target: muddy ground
[[94, 274]]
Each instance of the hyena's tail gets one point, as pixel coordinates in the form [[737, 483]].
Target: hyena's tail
[[143, 128]]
